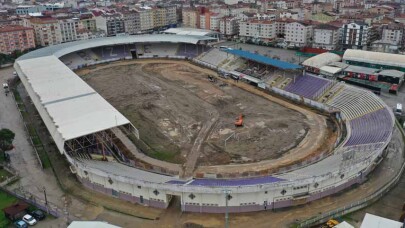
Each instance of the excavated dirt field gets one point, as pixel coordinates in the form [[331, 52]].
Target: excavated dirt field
[[171, 102]]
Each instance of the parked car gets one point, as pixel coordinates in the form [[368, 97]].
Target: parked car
[[29, 219], [20, 224], [38, 215]]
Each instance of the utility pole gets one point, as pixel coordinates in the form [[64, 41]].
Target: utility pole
[[227, 192]]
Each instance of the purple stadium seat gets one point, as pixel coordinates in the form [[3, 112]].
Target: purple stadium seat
[[371, 128], [307, 86]]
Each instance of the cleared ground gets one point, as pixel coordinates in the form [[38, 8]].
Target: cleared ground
[[177, 109]]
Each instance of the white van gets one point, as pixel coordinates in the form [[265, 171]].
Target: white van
[[398, 109]]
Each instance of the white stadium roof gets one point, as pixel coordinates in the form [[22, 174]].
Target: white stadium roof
[[66, 48], [374, 57], [374, 221], [321, 60], [190, 31], [75, 108]]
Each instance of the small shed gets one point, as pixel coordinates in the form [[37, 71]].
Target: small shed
[[330, 71], [16, 211], [314, 64]]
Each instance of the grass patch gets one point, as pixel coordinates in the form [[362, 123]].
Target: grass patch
[[17, 96], [4, 175], [46, 163], [5, 201]]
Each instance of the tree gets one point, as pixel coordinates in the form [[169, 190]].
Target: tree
[[6, 139]]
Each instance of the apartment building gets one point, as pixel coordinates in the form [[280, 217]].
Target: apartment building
[[259, 30], [191, 18], [280, 26], [355, 35], [88, 22], [393, 33], [16, 37], [146, 18], [210, 21], [47, 30], [29, 9], [299, 33], [132, 21], [111, 24], [229, 26], [326, 36], [164, 16], [68, 29]]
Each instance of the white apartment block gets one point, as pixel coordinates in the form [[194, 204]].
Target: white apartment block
[[214, 22], [298, 34], [203, 19], [355, 35], [229, 26], [68, 28], [393, 34], [262, 30], [326, 36]]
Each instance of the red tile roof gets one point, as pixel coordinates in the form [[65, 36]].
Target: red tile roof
[[13, 28]]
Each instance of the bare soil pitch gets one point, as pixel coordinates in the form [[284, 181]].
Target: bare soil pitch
[[170, 103]]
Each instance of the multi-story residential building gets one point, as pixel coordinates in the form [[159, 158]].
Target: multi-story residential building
[[29, 9], [191, 18], [112, 24], [88, 22], [159, 17], [393, 33], [299, 33], [392, 38], [280, 26], [263, 30], [146, 18], [210, 21], [132, 22], [16, 37], [229, 26], [164, 16], [68, 29], [171, 15], [47, 30], [355, 35], [326, 36]]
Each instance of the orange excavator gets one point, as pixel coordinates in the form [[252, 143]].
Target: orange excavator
[[239, 121]]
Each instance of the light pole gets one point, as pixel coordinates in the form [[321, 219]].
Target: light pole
[[226, 192], [46, 199]]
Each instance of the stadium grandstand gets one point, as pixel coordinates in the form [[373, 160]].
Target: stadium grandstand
[[84, 125]]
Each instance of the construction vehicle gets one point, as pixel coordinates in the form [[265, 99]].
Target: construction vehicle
[[332, 223], [239, 121]]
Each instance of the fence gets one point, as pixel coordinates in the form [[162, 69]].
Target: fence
[[27, 130], [27, 197], [33, 200]]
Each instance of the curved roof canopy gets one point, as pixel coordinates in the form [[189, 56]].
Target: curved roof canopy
[[66, 48], [374, 57]]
